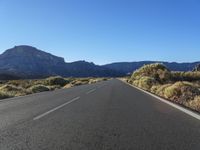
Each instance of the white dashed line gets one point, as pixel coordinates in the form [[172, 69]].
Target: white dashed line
[[56, 108], [91, 91]]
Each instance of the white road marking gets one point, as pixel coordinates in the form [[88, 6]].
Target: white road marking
[[56, 108], [187, 111], [91, 91]]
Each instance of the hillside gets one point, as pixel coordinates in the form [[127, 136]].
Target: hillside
[[29, 62]]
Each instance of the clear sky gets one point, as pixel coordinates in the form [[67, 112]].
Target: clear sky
[[104, 31]]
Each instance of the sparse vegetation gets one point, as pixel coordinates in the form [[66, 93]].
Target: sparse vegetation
[[157, 71], [179, 87], [14, 88], [38, 88], [57, 80], [8, 90]]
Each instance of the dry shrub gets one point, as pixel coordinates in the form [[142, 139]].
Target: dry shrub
[[4, 95], [161, 90], [185, 76], [194, 104], [181, 92], [38, 88], [12, 90], [157, 71], [57, 80], [145, 82], [68, 86]]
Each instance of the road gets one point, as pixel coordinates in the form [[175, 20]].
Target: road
[[108, 115]]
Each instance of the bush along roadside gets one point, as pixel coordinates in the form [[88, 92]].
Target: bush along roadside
[[15, 88], [180, 87]]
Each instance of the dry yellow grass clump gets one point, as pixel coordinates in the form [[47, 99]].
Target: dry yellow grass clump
[[195, 104], [157, 71], [179, 87], [14, 88]]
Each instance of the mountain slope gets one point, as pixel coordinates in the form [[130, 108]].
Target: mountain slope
[[28, 62]]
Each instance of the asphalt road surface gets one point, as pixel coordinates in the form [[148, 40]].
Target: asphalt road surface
[[108, 115]]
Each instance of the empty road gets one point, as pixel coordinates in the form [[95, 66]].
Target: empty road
[[108, 115]]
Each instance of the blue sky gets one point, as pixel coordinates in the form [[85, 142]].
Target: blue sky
[[104, 31]]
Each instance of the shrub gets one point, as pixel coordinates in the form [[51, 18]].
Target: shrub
[[161, 89], [56, 81], [180, 87], [77, 82], [4, 95], [91, 81], [181, 92], [39, 82], [38, 88], [194, 104], [145, 82], [157, 71], [155, 88], [95, 80], [12, 90], [68, 86], [80, 81], [53, 87], [186, 76], [21, 83]]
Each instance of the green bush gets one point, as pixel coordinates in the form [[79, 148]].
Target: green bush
[[38, 88], [56, 81]]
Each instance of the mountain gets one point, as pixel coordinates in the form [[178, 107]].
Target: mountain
[[129, 67], [29, 62]]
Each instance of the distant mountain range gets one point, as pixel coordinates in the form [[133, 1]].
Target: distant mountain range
[[29, 62], [129, 67]]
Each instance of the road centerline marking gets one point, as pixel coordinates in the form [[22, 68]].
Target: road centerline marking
[[91, 91], [56, 108]]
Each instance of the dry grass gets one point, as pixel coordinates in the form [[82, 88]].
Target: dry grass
[[14, 88], [145, 82], [185, 76], [38, 88], [194, 104], [180, 87], [157, 71], [57, 80]]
